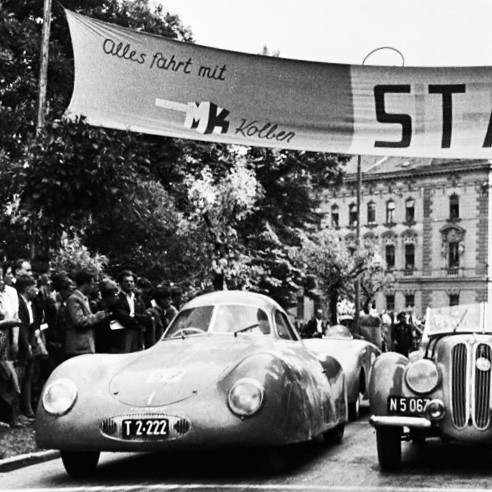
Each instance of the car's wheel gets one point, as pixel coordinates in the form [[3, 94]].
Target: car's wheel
[[79, 464], [389, 447], [335, 435], [354, 409], [272, 460]]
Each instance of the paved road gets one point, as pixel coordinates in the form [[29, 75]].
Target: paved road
[[351, 466]]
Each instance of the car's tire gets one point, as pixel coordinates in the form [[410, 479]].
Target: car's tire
[[80, 464], [354, 409], [272, 460], [335, 435], [389, 447]]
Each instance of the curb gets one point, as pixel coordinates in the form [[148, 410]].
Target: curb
[[16, 462]]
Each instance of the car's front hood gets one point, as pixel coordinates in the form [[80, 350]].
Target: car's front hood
[[177, 369]]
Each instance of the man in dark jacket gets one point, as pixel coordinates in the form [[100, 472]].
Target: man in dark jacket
[[81, 321], [315, 327], [131, 317], [30, 318], [402, 335]]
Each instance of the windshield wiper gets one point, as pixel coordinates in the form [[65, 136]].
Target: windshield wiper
[[459, 322], [250, 327]]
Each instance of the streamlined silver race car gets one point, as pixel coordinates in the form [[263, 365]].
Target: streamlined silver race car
[[230, 371]]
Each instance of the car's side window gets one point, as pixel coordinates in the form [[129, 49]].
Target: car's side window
[[284, 329]]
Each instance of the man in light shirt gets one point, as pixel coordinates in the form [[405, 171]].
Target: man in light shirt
[[9, 301], [9, 382]]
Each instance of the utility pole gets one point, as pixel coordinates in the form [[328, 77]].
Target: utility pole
[[357, 243], [42, 86], [43, 67]]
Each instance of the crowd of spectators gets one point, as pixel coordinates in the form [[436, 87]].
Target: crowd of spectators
[[47, 317]]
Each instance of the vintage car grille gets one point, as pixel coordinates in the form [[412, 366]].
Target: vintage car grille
[[470, 385], [113, 427]]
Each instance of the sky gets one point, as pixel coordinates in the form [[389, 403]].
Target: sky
[[386, 32]]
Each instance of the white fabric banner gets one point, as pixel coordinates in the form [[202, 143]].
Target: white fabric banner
[[134, 81]]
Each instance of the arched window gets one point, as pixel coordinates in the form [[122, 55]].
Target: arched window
[[371, 213], [390, 212], [409, 256], [453, 255], [389, 252], [454, 207], [410, 210], [353, 214], [335, 217]]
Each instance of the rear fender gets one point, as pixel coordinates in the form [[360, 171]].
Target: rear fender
[[338, 382], [386, 379]]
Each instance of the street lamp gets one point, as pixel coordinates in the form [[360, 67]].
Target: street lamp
[[392, 51]]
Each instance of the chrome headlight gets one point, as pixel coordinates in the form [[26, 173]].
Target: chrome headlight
[[59, 396], [422, 376], [245, 397]]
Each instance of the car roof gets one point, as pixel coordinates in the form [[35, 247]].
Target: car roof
[[233, 297], [338, 331]]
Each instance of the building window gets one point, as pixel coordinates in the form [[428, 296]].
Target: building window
[[410, 210], [390, 256], [454, 207], [353, 214], [371, 213], [454, 299], [409, 256], [409, 300], [453, 255], [390, 212], [390, 302], [335, 218]]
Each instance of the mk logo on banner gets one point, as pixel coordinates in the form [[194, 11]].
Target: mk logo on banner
[[204, 117]]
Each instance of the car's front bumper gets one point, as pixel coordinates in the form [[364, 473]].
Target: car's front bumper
[[400, 421]]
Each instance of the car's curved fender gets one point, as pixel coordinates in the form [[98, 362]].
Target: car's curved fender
[[386, 379]]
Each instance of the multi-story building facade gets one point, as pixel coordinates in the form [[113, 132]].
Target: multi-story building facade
[[431, 219]]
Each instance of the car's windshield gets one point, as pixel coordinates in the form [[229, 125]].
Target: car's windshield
[[221, 318], [464, 318]]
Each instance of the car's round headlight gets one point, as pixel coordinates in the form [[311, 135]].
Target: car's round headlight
[[422, 376], [59, 396], [245, 397]]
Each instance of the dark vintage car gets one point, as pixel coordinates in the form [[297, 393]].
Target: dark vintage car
[[443, 390], [356, 356], [230, 371]]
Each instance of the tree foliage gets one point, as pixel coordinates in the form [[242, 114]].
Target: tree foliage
[[192, 212], [335, 268]]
